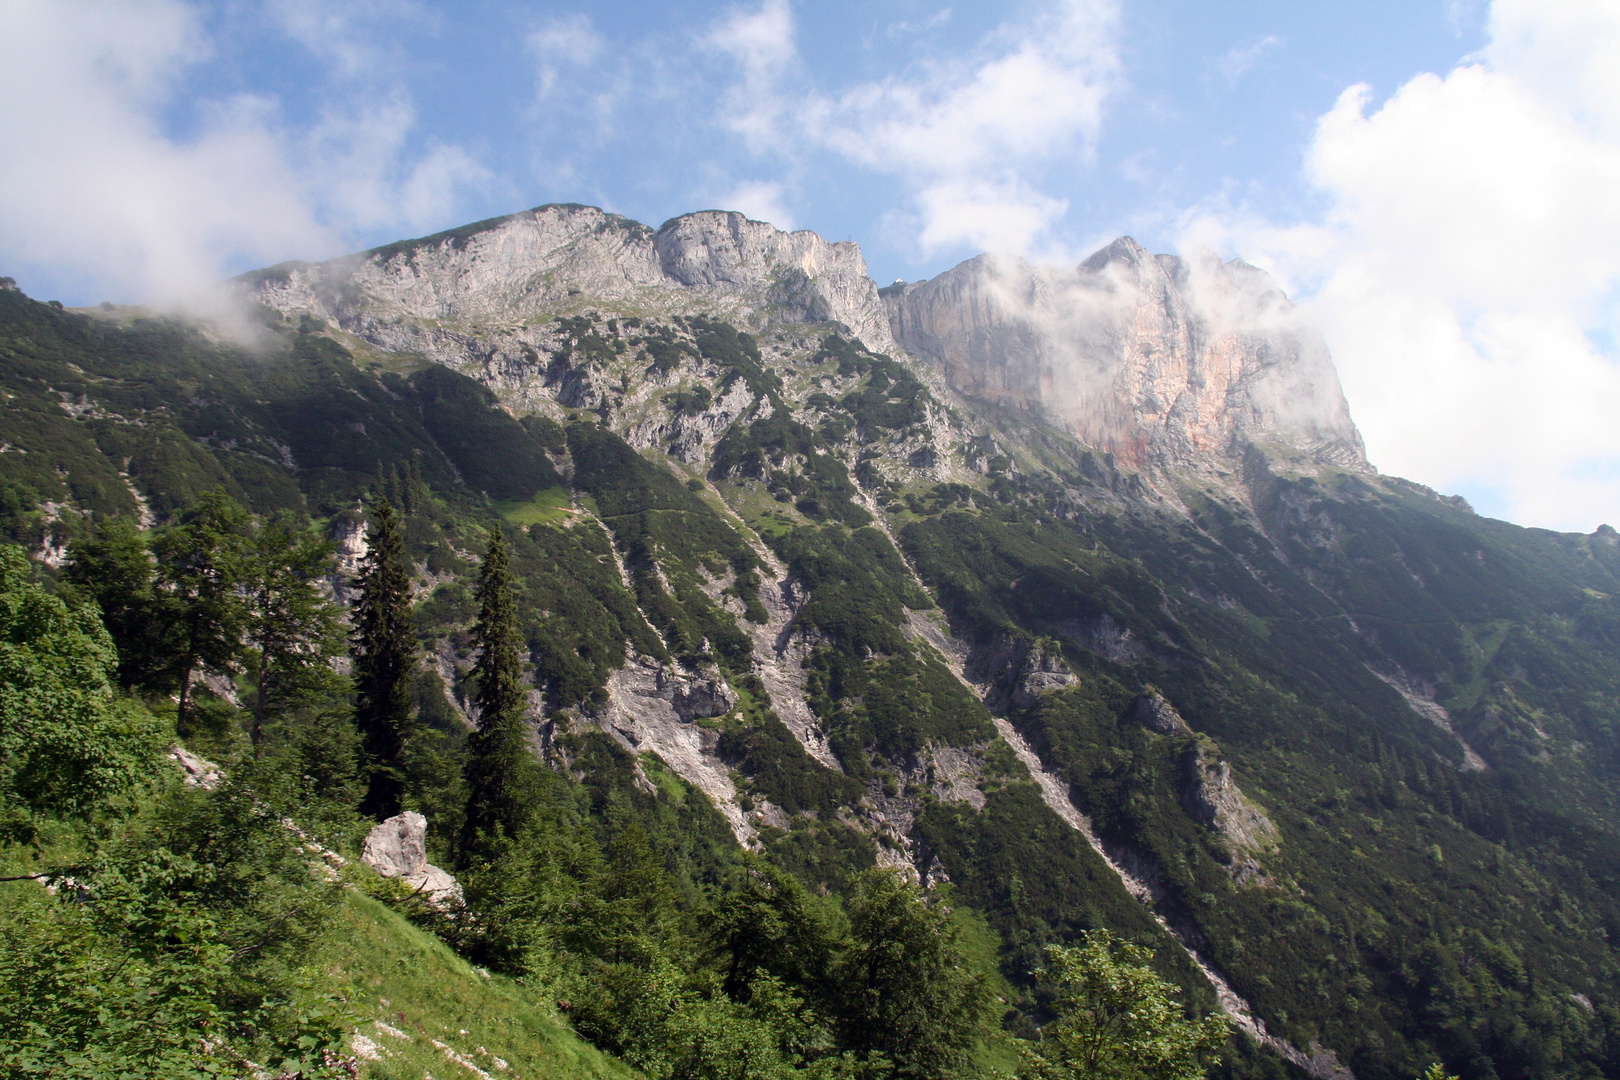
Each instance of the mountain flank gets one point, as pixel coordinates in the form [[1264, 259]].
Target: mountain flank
[[1068, 595]]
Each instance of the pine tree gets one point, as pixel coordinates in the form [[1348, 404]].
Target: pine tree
[[415, 492], [199, 576], [113, 567], [292, 627], [500, 770], [383, 648]]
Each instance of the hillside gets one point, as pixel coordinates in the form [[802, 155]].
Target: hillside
[[1073, 591]]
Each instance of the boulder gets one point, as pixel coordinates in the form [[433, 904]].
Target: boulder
[[398, 849]]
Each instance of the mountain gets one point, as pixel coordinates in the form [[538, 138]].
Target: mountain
[[1154, 359], [1071, 587]]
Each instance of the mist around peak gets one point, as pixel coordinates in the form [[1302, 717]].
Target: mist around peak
[[1158, 359]]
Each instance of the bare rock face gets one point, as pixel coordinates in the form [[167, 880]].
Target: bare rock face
[[1016, 671], [1212, 797], [653, 707], [398, 848], [1155, 359], [1209, 795], [529, 267], [1153, 712], [200, 772]]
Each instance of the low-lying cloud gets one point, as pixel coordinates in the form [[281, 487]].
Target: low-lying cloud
[[101, 194], [1467, 271]]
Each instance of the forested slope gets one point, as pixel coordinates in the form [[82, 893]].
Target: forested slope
[[791, 605]]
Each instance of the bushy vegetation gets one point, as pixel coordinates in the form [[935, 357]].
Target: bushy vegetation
[[1411, 909]]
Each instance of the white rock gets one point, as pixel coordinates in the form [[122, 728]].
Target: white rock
[[529, 266], [1156, 359], [200, 772], [398, 848]]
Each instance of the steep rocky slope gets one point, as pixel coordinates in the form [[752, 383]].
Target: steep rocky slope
[[1155, 359], [1090, 605]]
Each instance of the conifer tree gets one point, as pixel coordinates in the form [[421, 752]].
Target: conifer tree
[[113, 567], [383, 648], [199, 575], [499, 768], [293, 629]]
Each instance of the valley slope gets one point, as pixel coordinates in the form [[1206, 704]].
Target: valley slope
[[1073, 588]]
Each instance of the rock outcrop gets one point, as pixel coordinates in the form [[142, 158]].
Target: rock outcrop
[[511, 272], [1152, 711], [1209, 795], [1015, 671], [1213, 799], [397, 848], [1153, 358]]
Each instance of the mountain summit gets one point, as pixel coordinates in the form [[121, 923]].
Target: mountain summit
[[531, 266], [1071, 587], [1151, 358], [1156, 359]]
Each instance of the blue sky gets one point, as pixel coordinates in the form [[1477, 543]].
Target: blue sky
[[1431, 179], [624, 105]]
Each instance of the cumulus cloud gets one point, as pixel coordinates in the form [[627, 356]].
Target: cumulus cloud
[[762, 200], [967, 137], [101, 193], [1467, 271]]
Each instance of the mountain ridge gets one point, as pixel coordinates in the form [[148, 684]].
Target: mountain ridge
[[822, 599]]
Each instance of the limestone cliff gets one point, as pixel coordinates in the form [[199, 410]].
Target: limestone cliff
[[1156, 359], [506, 273]]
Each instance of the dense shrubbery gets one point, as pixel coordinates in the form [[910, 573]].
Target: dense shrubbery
[[1410, 911]]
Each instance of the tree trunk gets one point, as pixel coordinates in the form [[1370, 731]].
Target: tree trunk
[[181, 729], [258, 703]]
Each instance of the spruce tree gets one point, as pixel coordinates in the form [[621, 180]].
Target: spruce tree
[[113, 567], [383, 648], [292, 628], [199, 578], [500, 771]]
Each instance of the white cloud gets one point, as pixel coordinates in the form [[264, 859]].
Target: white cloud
[[97, 191], [1236, 62], [906, 27], [763, 44], [968, 137], [762, 200], [1470, 257], [568, 43], [366, 179], [341, 33]]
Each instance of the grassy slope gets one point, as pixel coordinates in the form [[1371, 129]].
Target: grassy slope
[[432, 994]]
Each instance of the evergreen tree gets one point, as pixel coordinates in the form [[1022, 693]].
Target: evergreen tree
[[499, 772], [113, 567], [909, 996], [292, 627], [415, 492], [199, 578], [384, 651]]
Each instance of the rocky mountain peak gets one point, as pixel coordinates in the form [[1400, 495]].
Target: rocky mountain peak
[[557, 258], [1155, 358]]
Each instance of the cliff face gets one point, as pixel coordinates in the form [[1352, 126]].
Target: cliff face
[[783, 589], [1156, 359], [555, 259]]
